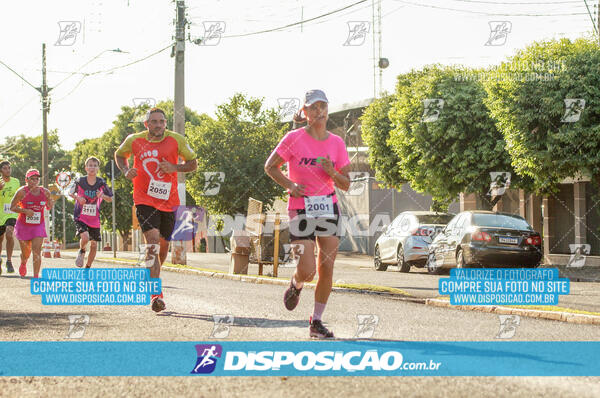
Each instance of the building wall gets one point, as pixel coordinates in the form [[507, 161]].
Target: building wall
[[592, 218]]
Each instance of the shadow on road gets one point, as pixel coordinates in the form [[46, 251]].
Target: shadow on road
[[17, 321], [242, 321]]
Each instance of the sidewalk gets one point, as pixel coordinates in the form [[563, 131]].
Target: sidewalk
[[356, 270]]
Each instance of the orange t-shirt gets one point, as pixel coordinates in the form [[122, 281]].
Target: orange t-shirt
[[151, 186]]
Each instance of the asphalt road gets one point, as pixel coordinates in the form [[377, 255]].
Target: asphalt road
[[259, 315]]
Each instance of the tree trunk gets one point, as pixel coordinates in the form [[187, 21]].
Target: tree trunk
[[126, 236]]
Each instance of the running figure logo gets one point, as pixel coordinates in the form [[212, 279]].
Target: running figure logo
[[187, 219], [148, 255], [499, 31], [77, 324], [366, 326], [573, 109], [68, 33], [357, 33], [508, 326], [207, 358], [578, 255], [432, 108], [213, 30], [139, 105], [212, 182], [358, 182], [500, 183], [291, 255], [288, 106], [222, 326]]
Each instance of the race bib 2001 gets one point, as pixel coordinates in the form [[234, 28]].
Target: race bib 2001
[[159, 189], [319, 206]]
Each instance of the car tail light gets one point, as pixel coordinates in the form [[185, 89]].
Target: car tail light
[[481, 235], [534, 240]]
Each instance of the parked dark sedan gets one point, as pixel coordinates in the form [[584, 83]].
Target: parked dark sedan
[[485, 238]]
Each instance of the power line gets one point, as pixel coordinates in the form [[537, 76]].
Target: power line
[[130, 63], [519, 3], [591, 17], [21, 77], [487, 13], [85, 74], [296, 23], [17, 111]]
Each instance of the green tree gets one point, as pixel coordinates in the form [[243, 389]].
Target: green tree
[[236, 143], [26, 152], [530, 110], [376, 128], [445, 148]]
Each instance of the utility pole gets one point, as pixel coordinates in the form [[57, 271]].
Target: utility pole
[[178, 255], [598, 20], [45, 108], [114, 199]]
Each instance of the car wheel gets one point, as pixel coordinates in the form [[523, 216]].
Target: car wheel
[[403, 266], [379, 266], [431, 265], [460, 259]]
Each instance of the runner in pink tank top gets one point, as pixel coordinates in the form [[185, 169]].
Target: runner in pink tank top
[[29, 201], [317, 163]]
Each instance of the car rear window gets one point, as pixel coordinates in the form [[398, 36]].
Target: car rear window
[[500, 221], [435, 218]]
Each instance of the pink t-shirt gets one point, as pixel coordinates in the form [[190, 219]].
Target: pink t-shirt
[[303, 155]]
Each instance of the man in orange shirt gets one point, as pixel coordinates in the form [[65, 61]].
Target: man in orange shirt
[[156, 152]]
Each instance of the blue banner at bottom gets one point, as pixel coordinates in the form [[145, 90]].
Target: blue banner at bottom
[[297, 358]]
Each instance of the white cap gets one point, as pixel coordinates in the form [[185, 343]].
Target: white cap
[[313, 96]]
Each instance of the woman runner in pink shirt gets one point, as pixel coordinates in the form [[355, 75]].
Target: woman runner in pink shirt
[[317, 163], [29, 201]]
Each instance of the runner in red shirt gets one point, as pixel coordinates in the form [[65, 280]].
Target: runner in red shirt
[[317, 163], [156, 153]]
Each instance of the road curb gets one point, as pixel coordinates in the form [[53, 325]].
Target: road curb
[[550, 315], [433, 302]]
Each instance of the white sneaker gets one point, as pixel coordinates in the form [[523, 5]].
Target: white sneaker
[[80, 258]]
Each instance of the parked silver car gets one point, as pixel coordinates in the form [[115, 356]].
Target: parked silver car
[[405, 242]]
